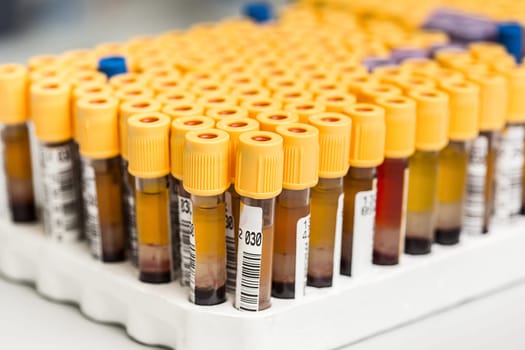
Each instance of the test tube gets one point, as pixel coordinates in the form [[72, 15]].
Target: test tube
[[292, 211], [393, 179], [371, 92], [258, 180], [234, 127], [336, 101], [432, 134], [149, 163], [509, 165], [292, 95], [180, 200], [133, 92], [327, 198], [217, 101], [304, 110], [15, 142], [175, 96], [483, 158], [227, 112], [126, 110], [254, 106], [127, 79], [102, 177], [368, 123], [51, 113], [453, 159], [206, 178], [270, 120]]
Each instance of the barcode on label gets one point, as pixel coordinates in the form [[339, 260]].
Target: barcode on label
[[301, 255], [61, 192], [231, 254], [364, 221], [91, 216], [175, 227], [250, 241], [192, 265], [508, 175], [474, 203], [185, 231]]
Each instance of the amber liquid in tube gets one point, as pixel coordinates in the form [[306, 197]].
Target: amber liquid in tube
[[292, 207], [421, 204], [19, 176], [210, 249], [357, 180], [452, 170], [152, 199], [255, 270], [390, 227], [325, 203]]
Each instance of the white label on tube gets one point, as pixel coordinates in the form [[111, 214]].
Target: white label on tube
[[301, 255], [474, 207], [185, 231], [338, 238], [231, 257], [61, 192], [249, 257], [91, 217], [364, 220], [509, 172]]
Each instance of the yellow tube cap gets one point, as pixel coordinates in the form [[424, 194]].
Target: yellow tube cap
[[463, 109], [13, 92], [89, 89], [259, 165], [205, 163], [248, 92], [50, 110], [235, 127], [175, 96], [98, 126], [493, 100], [133, 92], [431, 119], [367, 148], [336, 101], [334, 143], [127, 79], [217, 100], [86, 77], [301, 155], [270, 120], [400, 121], [371, 92], [129, 108], [516, 89], [227, 112], [293, 95], [183, 109], [304, 110], [179, 128], [254, 106], [149, 153]]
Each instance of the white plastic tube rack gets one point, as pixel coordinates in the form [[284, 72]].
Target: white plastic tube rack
[[355, 308]]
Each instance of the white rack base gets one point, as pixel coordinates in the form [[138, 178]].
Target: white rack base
[[355, 308]]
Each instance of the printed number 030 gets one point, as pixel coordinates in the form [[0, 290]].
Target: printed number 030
[[251, 238]]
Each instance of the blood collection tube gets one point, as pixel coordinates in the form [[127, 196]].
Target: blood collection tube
[[254, 106], [432, 128], [270, 120], [234, 127], [336, 101], [370, 93], [292, 211], [133, 92], [102, 177], [149, 163], [293, 95], [51, 114], [15, 142], [248, 92], [126, 110], [368, 123], [127, 79], [327, 198], [227, 112], [258, 180], [304, 110], [393, 179], [175, 96], [509, 165], [464, 105], [180, 200], [206, 178], [483, 159], [217, 101]]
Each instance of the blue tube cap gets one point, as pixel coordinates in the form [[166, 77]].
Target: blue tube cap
[[259, 11], [510, 35], [112, 65]]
